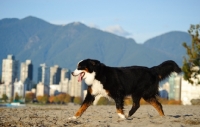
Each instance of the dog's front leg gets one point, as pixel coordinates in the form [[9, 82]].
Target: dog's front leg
[[120, 107], [86, 103]]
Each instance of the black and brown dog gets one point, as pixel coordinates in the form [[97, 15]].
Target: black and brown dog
[[118, 82]]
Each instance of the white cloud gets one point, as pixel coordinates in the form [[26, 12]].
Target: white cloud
[[92, 25], [116, 29]]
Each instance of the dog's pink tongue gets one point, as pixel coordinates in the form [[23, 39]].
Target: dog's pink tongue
[[79, 78]]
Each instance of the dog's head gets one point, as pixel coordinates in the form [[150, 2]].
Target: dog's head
[[86, 69]]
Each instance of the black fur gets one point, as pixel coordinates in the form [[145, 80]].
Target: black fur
[[137, 81]]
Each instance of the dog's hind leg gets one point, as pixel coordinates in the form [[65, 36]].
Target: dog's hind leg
[[154, 102], [136, 105]]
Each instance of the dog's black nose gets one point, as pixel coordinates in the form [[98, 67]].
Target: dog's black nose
[[72, 73]]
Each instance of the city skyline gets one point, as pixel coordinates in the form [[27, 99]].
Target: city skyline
[[52, 80], [22, 66]]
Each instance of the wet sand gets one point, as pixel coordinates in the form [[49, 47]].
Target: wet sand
[[98, 116]]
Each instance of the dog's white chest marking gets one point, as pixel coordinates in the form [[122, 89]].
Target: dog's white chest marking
[[90, 78], [97, 89]]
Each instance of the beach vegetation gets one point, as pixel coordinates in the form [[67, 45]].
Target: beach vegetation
[[163, 101], [42, 99], [195, 101], [51, 99], [67, 98], [17, 97], [103, 101], [56, 99], [191, 62], [77, 100], [29, 97], [4, 97], [61, 97], [128, 101]]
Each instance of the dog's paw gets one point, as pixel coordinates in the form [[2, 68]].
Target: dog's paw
[[121, 116], [129, 117], [72, 118]]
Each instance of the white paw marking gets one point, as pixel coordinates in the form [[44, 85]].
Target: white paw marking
[[122, 116], [72, 118]]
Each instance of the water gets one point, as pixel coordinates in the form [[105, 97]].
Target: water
[[12, 105]]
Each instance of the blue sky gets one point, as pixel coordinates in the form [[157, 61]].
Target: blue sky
[[140, 20]]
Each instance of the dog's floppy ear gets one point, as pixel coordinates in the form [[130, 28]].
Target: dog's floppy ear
[[92, 62]]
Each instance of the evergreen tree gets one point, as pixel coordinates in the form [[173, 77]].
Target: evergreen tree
[[191, 63], [29, 97], [4, 97], [17, 98]]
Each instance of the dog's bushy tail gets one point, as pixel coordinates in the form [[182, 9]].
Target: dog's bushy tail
[[165, 69]]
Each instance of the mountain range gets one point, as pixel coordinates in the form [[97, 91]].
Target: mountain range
[[65, 45]]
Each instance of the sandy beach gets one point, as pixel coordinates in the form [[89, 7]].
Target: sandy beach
[[98, 116]]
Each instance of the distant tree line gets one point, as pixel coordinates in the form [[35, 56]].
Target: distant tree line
[[62, 98]]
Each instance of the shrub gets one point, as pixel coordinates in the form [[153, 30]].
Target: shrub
[[128, 101], [77, 100], [39, 99], [162, 101], [4, 97], [67, 98], [17, 98], [29, 97], [55, 99], [45, 99], [61, 97], [42, 99], [195, 101], [103, 101], [51, 99]]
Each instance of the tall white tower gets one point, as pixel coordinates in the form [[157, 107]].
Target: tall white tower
[[43, 74], [26, 73], [55, 73], [9, 70]]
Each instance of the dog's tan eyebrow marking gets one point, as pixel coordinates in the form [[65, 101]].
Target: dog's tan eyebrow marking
[[86, 69]]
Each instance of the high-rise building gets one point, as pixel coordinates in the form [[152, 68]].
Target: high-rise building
[[64, 80], [42, 89], [64, 74], [6, 89], [55, 74], [19, 88], [26, 71], [175, 86], [26, 74], [43, 74], [9, 70]]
